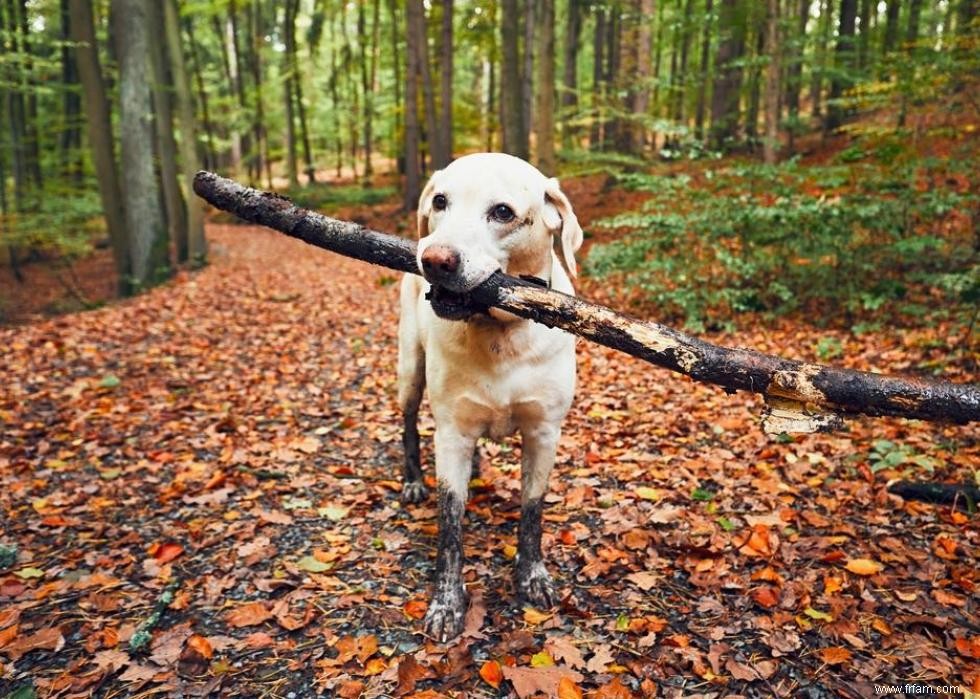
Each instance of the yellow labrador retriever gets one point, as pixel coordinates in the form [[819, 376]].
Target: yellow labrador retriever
[[488, 372]]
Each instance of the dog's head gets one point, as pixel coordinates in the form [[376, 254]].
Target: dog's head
[[487, 212]]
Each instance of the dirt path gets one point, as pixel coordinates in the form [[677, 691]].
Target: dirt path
[[236, 431]]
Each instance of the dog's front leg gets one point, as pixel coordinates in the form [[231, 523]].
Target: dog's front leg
[[534, 584], [447, 610]]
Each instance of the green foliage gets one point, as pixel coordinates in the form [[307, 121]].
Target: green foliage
[[328, 197], [886, 454], [858, 237]]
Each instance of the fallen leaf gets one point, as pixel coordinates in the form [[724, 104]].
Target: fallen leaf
[[835, 655], [415, 608], [250, 614], [44, 639], [568, 689], [534, 617], [864, 566], [601, 657], [565, 651], [645, 580], [491, 673], [528, 681]]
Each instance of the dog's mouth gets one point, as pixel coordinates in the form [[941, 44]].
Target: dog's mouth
[[452, 305]]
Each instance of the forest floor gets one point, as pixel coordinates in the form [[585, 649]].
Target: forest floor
[[232, 438]]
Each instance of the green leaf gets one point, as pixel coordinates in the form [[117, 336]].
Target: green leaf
[[647, 493], [110, 381], [28, 573], [622, 623], [312, 565], [725, 523], [817, 614], [702, 495], [25, 692]]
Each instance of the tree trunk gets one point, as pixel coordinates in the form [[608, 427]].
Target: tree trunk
[[238, 71], [728, 76], [260, 131], [369, 60], [965, 13], [511, 111], [413, 183], [289, 33], [680, 89], [210, 152], [569, 92], [864, 38], [822, 57], [544, 122], [770, 144], [421, 42], [166, 142], [98, 120], [32, 143], [912, 30], [792, 388], [144, 217], [641, 96], [445, 154], [398, 136], [196, 252], [297, 81], [334, 85], [527, 74], [892, 13], [795, 73], [70, 143], [17, 115], [704, 74], [843, 62], [755, 88], [596, 135]]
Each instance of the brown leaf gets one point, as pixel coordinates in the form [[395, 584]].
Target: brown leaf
[[529, 681], [740, 671], [44, 639], [613, 690], [250, 614], [409, 673], [565, 651], [601, 657], [835, 655], [645, 580]]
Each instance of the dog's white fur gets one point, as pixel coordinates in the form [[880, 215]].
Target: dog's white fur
[[492, 374]]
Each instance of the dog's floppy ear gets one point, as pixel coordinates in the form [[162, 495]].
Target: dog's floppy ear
[[558, 213], [425, 208]]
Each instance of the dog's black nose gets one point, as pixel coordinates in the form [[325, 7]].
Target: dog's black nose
[[440, 262]]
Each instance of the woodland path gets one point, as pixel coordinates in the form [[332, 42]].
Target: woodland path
[[236, 430]]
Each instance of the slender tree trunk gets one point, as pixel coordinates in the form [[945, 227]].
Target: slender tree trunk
[[98, 120], [912, 30], [297, 82], [864, 38], [755, 88], [70, 142], [445, 154], [511, 111], [966, 11], [569, 92], [196, 252], [238, 70], [728, 76], [166, 142], [260, 131], [843, 63], [641, 103], [398, 135], [704, 73], [822, 53], [210, 152], [417, 27], [598, 78], [544, 122], [144, 217], [770, 144], [527, 73], [369, 74], [795, 73], [413, 180], [892, 13], [32, 145], [614, 31], [334, 85], [680, 89], [289, 33]]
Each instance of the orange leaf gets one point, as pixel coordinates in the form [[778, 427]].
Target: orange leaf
[[765, 596], [969, 648], [613, 690], [201, 645], [831, 585], [164, 553], [415, 608], [568, 689], [8, 634], [533, 617], [492, 674], [250, 614], [864, 566], [835, 655]]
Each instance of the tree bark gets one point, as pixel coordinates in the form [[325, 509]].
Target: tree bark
[[728, 76], [297, 81], [527, 73], [166, 141], [289, 33], [98, 121], [774, 47], [144, 217], [822, 54], [413, 179], [843, 62], [891, 25], [445, 154], [569, 92], [795, 73], [912, 30], [196, 244], [599, 49], [210, 153], [544, 123], [703, 76], [369, 71], [70, 142], [417, 27], [791, 387], [511, 111]]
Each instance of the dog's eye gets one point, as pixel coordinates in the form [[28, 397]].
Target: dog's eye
[[502, 213], [439, 202]]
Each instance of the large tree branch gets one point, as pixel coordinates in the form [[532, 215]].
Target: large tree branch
[[802, 397]]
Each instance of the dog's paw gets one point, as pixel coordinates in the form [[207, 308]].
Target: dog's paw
[[414, 492], [536, 587], [444, 620]]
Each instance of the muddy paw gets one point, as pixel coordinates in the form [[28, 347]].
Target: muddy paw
[[536, 587], [414, 492], [444, 620]]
